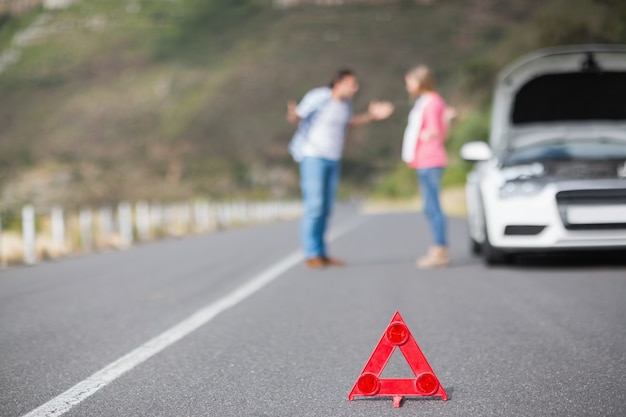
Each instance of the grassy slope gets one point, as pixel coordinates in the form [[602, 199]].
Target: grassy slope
[[187, 98]]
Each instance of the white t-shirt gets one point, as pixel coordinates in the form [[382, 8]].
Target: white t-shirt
[[326, 136]]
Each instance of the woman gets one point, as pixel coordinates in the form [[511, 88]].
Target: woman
[[423, 149]]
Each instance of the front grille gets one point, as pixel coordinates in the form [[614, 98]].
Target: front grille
[[601, 197], [605, 226], [605, 196], [584, 170]]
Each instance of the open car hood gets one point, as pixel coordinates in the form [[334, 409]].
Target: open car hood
[[553, 92]]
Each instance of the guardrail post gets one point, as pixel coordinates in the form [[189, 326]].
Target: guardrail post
[[107, 226], [2, 263], [142, 213], [186, 217], [86, 228], [125, 218], [223, 219], [28, 234], [156, 217], [201, 215], [57, 227]]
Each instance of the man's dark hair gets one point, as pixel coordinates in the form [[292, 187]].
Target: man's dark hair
[[340, 75]]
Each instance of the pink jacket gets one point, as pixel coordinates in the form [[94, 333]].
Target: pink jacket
[[430, 151]]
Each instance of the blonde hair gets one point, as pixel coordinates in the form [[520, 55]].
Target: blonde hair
[[424, 75]]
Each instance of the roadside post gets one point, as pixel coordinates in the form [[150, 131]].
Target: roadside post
[[28, 234]]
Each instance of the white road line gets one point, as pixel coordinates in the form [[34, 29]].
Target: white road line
[[84, 389]]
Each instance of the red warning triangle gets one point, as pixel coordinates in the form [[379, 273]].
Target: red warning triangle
[[425, 383]]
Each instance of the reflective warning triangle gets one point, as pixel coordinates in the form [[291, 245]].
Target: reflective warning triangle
[[425, 383]]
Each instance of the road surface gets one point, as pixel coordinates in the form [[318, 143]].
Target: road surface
[[231, 324]]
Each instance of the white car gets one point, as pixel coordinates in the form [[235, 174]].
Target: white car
[[553, 176]]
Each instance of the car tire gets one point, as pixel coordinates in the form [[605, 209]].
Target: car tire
[[492, 255], [475, 247]]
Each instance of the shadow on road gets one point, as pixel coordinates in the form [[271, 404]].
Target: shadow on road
[[586, 259], [555, 260]]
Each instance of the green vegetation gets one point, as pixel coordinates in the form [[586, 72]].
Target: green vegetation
[[159, 99]]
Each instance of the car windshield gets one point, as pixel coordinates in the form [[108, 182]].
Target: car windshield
[[568, 151]]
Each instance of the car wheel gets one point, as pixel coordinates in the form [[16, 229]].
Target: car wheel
[[492, 255], [475, 247]]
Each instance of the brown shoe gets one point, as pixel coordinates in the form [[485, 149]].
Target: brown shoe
[[315, 263], [437, 257], [333, 261]]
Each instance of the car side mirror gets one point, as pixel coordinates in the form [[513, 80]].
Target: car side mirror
[[476, 152]]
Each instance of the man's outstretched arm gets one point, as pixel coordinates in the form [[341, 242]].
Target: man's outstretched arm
[[377, 110]]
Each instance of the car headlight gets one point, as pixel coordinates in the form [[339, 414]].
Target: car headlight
[[520, 188], [521, 180], [523, 172]]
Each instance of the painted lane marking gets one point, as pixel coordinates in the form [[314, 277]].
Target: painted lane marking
[[89, 386]]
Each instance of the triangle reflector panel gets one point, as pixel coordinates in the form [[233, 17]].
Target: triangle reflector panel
[[425, 383]]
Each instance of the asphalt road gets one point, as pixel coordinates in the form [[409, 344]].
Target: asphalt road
[[546, 337]]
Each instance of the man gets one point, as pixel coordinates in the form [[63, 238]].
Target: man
[[323, 117]]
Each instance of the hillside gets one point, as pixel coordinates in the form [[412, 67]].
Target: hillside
[[155, 99]]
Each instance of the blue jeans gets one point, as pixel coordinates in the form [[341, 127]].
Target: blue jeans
[[318, 180], [430, 187]]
